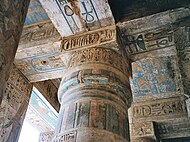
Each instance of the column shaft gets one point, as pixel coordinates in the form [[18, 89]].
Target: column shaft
[[94, 96], [12, 16]]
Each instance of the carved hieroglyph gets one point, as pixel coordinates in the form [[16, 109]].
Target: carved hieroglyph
[[46, 136], [93, 38], [14, 106]]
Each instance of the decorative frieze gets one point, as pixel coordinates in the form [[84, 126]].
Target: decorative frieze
[[155, 109], [99, 56], [95, 38]]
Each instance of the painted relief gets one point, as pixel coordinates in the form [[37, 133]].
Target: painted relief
[[148, 41], [163, 107], [41, 66], [39, 111], [71, 17], [14, 106], [155, 78], [95, 38]]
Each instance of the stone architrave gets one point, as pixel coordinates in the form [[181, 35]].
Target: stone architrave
[[95, 94], [12, 17], [14, 105]]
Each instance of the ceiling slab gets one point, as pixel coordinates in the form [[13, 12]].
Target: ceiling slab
[[74, 16], [125, 10], [36, 13]]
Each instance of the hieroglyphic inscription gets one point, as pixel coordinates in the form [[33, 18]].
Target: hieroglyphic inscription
[[144, 129], [37, 33], [67, 137], [167, 107], [14, 105], [46, 137], [90, 39], [149, 41], [99, 55]]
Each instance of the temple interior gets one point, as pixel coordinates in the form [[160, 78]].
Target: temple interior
[[95, 70]]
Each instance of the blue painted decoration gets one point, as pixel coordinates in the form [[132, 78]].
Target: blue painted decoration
[[49, 116], [36, 13], [152, 76]]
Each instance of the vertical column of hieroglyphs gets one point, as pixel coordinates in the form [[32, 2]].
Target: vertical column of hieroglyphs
[[12, 16], [14, 105], [156, 84], [94, 92]]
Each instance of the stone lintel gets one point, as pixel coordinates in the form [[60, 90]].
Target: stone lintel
[[159, 110]]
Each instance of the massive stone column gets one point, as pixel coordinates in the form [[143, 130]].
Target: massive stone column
[[12, 16], [14, 105], [159, 108], [94, 92]]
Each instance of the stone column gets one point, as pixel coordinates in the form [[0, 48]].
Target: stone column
[[94, 92], [14, 105], [156, 83], [12, 16]]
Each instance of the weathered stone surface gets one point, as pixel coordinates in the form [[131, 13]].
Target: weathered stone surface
[[46, 137], [174, 129], [159, 110], [77, 16], [40, 114], [158, 51], [155, 78], [49, 91], [12, 16], [182, 40], [144, 129], [14, 105]]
